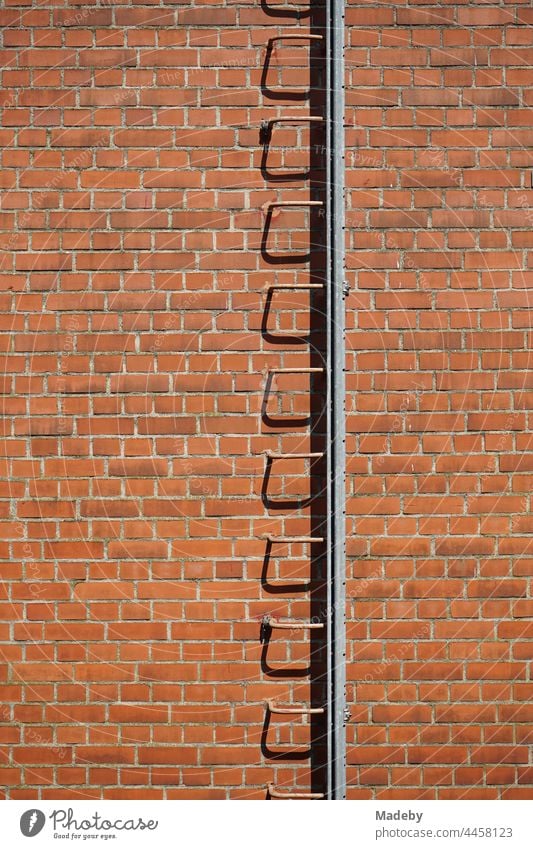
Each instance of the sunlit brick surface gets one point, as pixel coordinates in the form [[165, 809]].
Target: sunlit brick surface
[[137, 404]]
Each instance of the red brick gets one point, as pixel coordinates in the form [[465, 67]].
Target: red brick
[[133, 296]]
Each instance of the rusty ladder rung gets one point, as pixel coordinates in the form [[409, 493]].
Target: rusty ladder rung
[[271, 455], [294, 286], [292, 794], [291, 626], [299, 36], [292, 36], [296, 203], [299, 370], [273, 539], [280, 709], [293, 119]]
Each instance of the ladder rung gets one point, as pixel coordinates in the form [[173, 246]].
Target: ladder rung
[[295, 203], [291, 626], [299, 36], [295, 119], [274, 539], [311, 456], [294, 286], [274, 708], [296, 370], [292, 794]]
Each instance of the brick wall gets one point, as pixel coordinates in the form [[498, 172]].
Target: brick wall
[[137, 337], [439, 203]]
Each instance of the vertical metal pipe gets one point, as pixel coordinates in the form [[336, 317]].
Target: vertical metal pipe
[[336, 465]]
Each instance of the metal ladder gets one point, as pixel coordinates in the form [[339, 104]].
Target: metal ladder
[[334, 710]]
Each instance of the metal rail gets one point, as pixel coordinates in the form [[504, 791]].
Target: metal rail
[[336, 454]]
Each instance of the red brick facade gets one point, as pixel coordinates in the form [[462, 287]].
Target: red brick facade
[[136, 345]]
